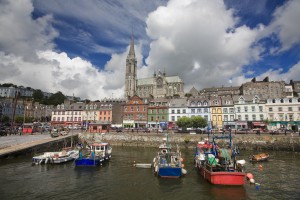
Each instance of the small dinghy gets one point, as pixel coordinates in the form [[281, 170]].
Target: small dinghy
[[259, 157]]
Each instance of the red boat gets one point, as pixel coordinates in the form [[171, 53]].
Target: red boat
[[218, 165]]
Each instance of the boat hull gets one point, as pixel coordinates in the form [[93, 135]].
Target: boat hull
[[89, 161], [223, 177], [169, 172]]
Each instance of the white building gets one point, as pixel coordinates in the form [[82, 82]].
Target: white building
[[177, 109], [250, 111], [283, 113]]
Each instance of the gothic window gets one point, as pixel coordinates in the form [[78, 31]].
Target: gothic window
[[159, 82]]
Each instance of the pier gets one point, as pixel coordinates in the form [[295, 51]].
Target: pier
[[14, 144]]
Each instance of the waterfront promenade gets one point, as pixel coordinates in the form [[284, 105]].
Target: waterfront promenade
[[14, 143]]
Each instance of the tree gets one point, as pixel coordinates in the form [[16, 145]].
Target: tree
[[198, 122], [188, 95], [38, 95], [57, 98], [184, 122]]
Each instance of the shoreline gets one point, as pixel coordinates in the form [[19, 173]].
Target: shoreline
[[243, 141]]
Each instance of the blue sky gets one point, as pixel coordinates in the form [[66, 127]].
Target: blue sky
[[80, 47]]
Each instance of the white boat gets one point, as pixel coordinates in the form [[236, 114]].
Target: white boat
[[63, 156]]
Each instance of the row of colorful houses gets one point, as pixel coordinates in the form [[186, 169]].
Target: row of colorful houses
[[231, 111]]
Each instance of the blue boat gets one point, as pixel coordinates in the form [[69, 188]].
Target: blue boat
[[100, 152], [168, 164]]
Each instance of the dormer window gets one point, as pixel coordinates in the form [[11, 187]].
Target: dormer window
[[216, 102], [95, 106], [255, 100], [58, 106], [241, 100]]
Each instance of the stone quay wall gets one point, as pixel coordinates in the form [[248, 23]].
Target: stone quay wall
[[243, 141]]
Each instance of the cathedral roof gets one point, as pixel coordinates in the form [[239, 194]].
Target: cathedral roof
[[151, 81]]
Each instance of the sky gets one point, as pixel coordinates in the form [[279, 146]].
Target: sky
[[80, 47]]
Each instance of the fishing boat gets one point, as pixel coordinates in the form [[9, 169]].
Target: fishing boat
[[168, 163], [99, 153], [219, 165], [259, 157], [58, 157]]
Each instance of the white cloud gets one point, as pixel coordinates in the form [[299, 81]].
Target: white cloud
[[202, 32], [286, 24], [19, 34]]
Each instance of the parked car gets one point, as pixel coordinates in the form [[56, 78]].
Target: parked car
[[63, 133], [147, 130], [119, 130], [54, 134]]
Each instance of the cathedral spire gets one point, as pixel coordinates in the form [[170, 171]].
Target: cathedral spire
[[131, 50]]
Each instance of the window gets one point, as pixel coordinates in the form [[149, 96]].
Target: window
[[173, 111], [198, 110], [125, 110], [246, 108], [291, 118], [231, 110], [260, 109], [131, 109], [238, 109], [138, 108], [151, 119], [205, 110], [246, 117], [173, 118], [178, 111], [231, 117], [183, 111], [54, 118], [261, 117], [225, 110], [75, 118], [280, 109], [270, 109], [192, 110], [225, 118], [63, 119], [290, 109], [79, 118], [254, 117], [253, 108]]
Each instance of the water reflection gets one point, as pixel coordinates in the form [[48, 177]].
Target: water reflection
[[228, 192]]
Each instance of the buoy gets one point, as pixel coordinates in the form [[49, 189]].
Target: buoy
[[252, 181], [257, 186], [249, 176], [182, 165], [260, 167]]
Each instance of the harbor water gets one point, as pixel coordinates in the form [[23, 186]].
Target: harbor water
[[278, 179]]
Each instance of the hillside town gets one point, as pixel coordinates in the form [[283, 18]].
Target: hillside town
[[158, 102]]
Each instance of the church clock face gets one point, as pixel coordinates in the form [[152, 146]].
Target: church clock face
[[159, 82]]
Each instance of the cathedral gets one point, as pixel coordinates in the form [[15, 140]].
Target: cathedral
[[158, 86]]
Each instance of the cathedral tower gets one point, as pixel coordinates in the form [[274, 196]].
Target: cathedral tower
[[130, 74]]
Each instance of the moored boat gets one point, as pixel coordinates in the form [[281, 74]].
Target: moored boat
[[167, 163], [99, 153], [219, 165], [259, 157], [58, 157]]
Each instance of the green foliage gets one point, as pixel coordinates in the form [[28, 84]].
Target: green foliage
[[38, 95], [184, 122], [198, 122], [19, 119], [195, 122], [5, 119], [57, 98], [188, 95]]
